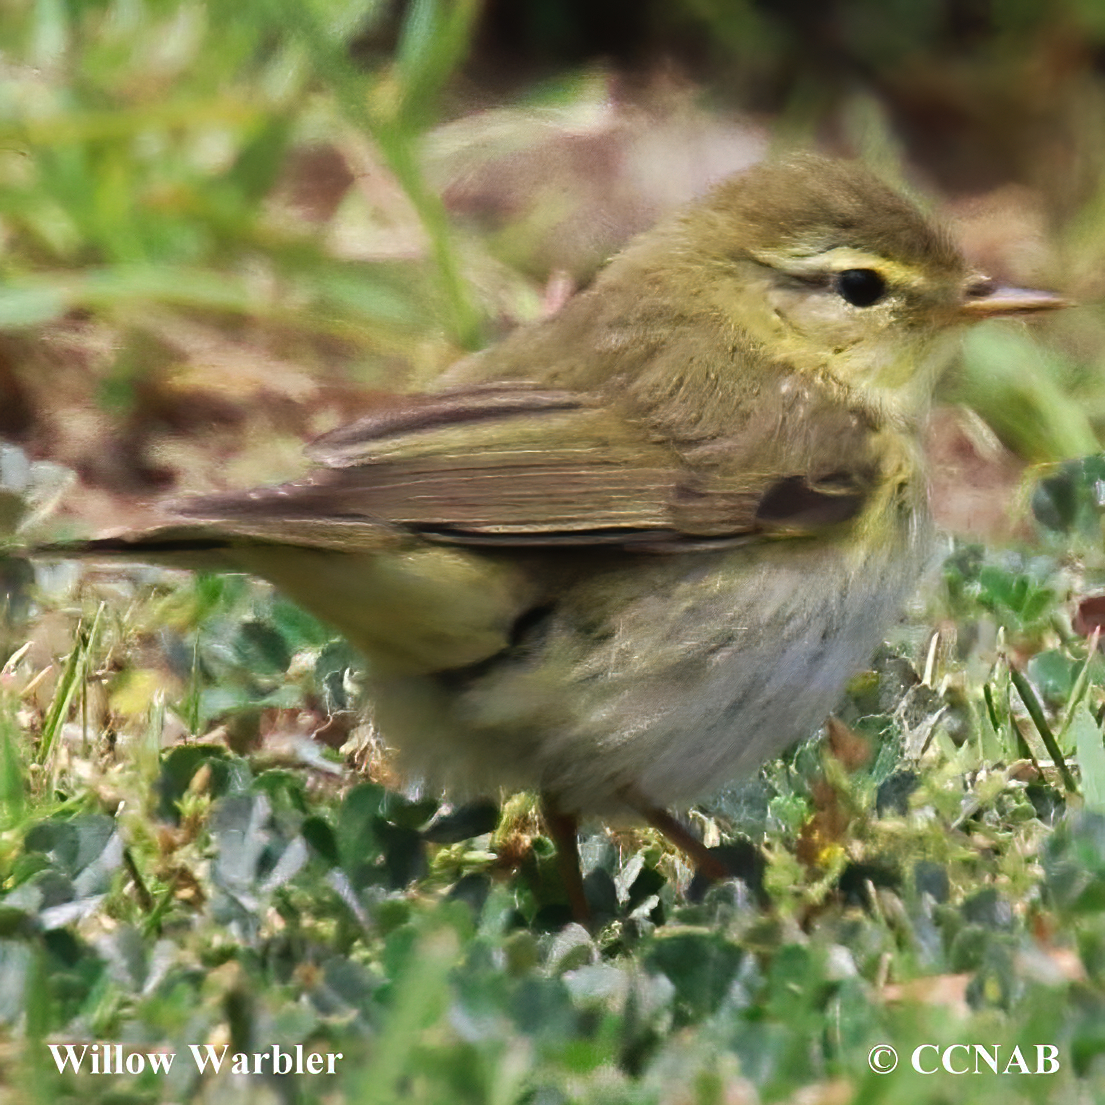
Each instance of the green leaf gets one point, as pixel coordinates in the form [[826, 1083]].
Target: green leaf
[[1091, 757], [262, 648], [318, 833], [358, 841], [12, 780], [1053, 673], [257, 167], [700, 965], [178, 768], [300, 629]]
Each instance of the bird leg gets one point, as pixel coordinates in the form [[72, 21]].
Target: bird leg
[[562, 827], [704, 860]]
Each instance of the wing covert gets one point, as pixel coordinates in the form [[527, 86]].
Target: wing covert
[[520, 465]]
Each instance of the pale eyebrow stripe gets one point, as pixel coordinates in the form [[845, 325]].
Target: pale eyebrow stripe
[[840, 259]]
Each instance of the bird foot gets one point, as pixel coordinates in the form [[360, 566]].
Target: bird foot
[[706, 863], [563, 828]]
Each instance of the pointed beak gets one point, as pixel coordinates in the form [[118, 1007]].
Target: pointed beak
[[982, 298]]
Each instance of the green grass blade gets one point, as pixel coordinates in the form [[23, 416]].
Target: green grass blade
[[76, 668], [1091, 757], [1035, 711]]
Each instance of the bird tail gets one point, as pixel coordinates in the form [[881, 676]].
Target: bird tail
[[226, 543], [189, 546]]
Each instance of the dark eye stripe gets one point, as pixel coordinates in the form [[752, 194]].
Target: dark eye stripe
[[860, 287]]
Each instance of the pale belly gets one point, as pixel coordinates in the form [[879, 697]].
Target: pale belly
[[663, 682]]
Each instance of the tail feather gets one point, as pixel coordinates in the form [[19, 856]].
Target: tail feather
[[219, 545], [190, 547]]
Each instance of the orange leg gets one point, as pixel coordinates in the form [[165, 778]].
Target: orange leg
[[682, 837], [562, 828]]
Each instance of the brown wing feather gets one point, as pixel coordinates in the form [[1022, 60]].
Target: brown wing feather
[[520, 465], [398, 415]]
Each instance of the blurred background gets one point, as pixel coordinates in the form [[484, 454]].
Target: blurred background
[[222, 223]]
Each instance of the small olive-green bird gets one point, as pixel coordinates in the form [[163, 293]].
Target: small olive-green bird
[[636, 549]]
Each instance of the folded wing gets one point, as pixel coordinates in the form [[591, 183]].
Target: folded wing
[[523, 466]]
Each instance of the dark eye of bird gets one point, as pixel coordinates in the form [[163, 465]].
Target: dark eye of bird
[[860, 287]]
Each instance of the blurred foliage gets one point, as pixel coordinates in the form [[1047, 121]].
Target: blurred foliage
[[249, 887], [148, 157]]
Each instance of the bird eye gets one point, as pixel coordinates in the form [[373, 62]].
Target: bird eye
[[860, 287]]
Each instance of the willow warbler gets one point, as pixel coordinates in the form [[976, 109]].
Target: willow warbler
[[637, 548]]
